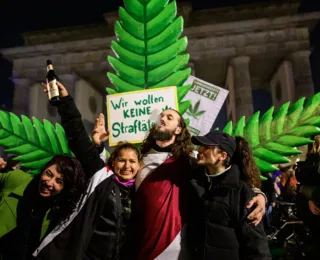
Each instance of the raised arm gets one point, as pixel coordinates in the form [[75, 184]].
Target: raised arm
[[77, 136]]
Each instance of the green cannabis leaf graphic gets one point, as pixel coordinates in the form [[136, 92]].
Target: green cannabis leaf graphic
[[193, 111], [165, 108], [275, 136], [148, 51], [34, 142]]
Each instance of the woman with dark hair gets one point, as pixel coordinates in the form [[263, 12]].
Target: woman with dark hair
[[32, 205], [219, 194], [98, 229]]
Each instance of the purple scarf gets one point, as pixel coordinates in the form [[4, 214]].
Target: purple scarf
[[124, 183]]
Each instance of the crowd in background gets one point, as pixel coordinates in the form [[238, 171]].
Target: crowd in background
[[297, 184]]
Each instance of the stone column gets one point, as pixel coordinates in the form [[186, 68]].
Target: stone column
[[20, 104], [302, 74], [282, 85], [184, 9], [69, 80], [89, 101], [231, 100], [242, 87], [111, 19]]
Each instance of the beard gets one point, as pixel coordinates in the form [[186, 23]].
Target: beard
[[165, 135]]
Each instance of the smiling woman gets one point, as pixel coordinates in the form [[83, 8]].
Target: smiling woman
[[104, 212], [51, 182], [31, 206], [124, 161]]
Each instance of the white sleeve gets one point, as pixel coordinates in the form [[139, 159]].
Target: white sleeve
[[103, 155]]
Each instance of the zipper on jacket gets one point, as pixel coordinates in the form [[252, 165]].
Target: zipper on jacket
[[210, 182], [119, 211]]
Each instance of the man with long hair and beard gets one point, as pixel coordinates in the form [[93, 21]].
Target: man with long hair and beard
[[159, 209]]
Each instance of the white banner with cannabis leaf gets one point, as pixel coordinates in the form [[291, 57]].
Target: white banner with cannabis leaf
[[206, 102]]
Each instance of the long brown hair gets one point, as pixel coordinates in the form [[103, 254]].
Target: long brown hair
[[182, 146], [243, 157]]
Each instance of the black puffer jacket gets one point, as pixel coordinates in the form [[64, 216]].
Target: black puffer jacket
[[218, 228]]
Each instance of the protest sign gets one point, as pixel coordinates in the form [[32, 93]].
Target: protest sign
[[132, 114], [207, 100]]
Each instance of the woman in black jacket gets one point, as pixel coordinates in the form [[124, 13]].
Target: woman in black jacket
[[31, 206], [220, 190], [98, 229]]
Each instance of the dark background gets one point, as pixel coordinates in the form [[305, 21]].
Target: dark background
[[23, 16]]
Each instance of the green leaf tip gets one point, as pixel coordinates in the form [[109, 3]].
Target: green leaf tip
[[34, 142], [276, 135]]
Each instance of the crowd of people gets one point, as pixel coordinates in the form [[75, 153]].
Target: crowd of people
[[159, 201], [297, 183]]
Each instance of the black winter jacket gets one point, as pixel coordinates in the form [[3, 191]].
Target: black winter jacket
[[217, 226], [98, 229]]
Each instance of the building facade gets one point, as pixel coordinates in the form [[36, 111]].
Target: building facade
[[246, 49]]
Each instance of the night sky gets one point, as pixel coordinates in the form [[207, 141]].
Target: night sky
[[22, 16]]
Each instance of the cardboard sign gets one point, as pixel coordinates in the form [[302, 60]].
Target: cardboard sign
[[132, 114], [207, 100]]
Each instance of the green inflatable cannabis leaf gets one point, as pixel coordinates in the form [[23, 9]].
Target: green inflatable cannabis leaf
[[275, 136], [149, 53], [34, 142]]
